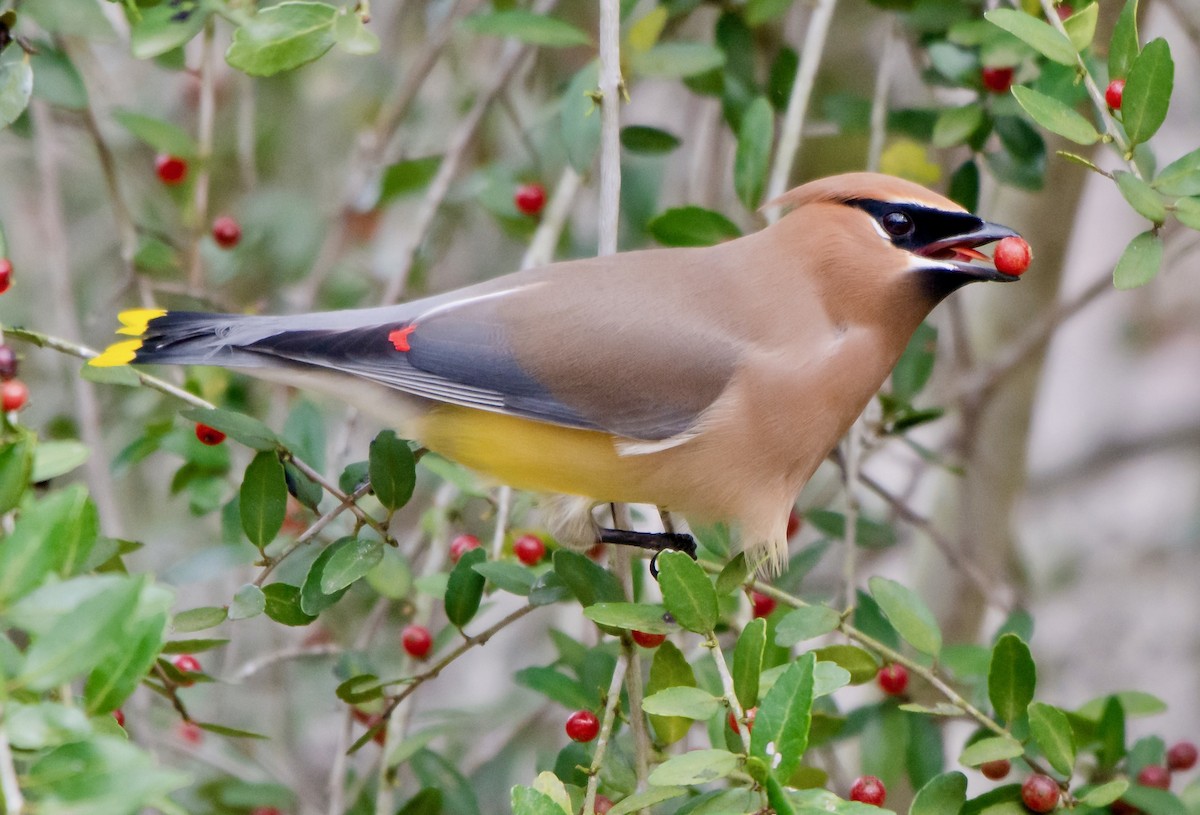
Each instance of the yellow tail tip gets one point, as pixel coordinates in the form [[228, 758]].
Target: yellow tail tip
[[119, 353], [135, 321]]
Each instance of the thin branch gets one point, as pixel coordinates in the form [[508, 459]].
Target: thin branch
[[611, 89], [852, 461], [611, 702], [10, 786], [313, 530], [883, 84], [797, 109], [554, 218], [204, 140], [282, 655], [731, 699]]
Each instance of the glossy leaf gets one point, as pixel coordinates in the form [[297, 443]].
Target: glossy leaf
[[1123, 48], [57, 457], [1055, 116], [16, 468], [1012, 677], [805, 623], [1140, 262], [198, 619], [993, 748], [245, 429], [748, 662], [648, 140], [262, 499], [162, 136], [909, 615], [1052, 732], [407, 177], [163, 28], [1132, 702], [752, 158], [1037, 34], [1111, 734], [1141, 196], [313, 597], [510, 577], [780, 734], [1181, 176], [1105, 794], [829, 677], [349, 563], [248, 601], [393, 470], [589, 582], [1081, 26], [695, 767], [692, 226], [1153, 801], [282, 37], [648, 798], [689, 703], [1148, 91], [282, 604], [352, 35], [553, 684], [54, 534], [867, 533], [117, 676], [669, 669], [527, 801], [861, 665], [688, 593], [942, 795], [528, 27], [464, 589], [734, 575], [631, 617]]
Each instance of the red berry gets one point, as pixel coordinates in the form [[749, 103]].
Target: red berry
[[8, 363], [266, 811], [751, 715], [172, 170], [1064, 10], [793, 525], [461, 545], [1040, 793], [647, 640], [530, 198], [583, 725], [995, 770], [1155, 775], [190, 732], [603, 805], [1114, 93], [996, 80], [226, 232], [529, 549], [868, 789], [5, 274], [1181, 756], [119, 716], [186, 664], [417, 640], [13, 395], [1012, 255], [893, 679], [762, 604], [209, 435]]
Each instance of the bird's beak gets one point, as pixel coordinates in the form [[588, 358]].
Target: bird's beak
[[958, 253]]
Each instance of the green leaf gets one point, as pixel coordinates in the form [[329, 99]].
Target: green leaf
[[1105, 794], [1055, 116], [1153, 801], [669, 670], [1187, 211], [828, 677], [692, 226], [104, 774], [54, 458], [229, 732], [993, 748], [16, 86], [283, 604], [695, 767], [780, 733], [752, 158], [161, 29], [733, 576], [248, 601], [349, 563], [648, 140], [908, 613], [861, 665], [529, 27], [1012, 677], [554, 685], [630, 617], [262, 499], [1132, 702], [43, 725], [56, 80], [198, 619], [1037, 34], [690, 703], [687, 592], [1111, 734], [581, 118], [1052, 732], [82, 18], [915, 365], [955, 125], [1140, 262], [805, 623], [1081, 26], [16, 467], [282, 37], [748, 662], [528, 801], [163, 137], [245, 429], [1123, 47], [677, 60], [510, 577], [407, 177], [352, 35], [464, 589], [942, 795], [53, 535], [1181, 176], [393, 470], [1148, 91], [117, 676], [646, 799], [868, 534], [764, 11], [589, 582], [1141, 196]]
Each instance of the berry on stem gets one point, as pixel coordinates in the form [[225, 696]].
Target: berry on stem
[[171, 170], [226, 231], [996, 80], [1064, 11], [582, 725], [761, 604], [186, 664], [8, 363], [1114, 93], [995, 770], [868, 789], [529, 549], [647, 640], [13, 395], [461, 545], [5, 274], [1040, 793], [1012, 255], [530, 198], [1182, 756], [417, 641], [1155, 775], [209, 435], [893, 679], [190, 732], [751, 715]]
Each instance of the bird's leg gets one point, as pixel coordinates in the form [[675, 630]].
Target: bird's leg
[[656, 542]]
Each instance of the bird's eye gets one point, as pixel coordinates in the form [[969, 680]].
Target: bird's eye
[[898, 224]]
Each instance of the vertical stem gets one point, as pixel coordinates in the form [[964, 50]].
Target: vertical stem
[[204, 142], [879, 105], [727, 684], [611, 89], [10, 787], [606, 728]]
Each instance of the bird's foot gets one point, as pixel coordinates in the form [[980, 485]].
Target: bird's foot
[[656, 542]]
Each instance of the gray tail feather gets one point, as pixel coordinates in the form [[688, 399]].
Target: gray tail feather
[[197, 338]]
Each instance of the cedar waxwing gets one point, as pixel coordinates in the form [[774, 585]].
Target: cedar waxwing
[[710, 381]]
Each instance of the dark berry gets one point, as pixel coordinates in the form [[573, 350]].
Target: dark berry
[[172, 170], [209, 435], [529, 549], [13, 395], [893, 679], [1114, 93], [1155, 775], [8, 363], [226, 232], [1181, 756], [530, 198], [582, 725], [868, 789], [647, 640], [461, 545], [761, 604], [1040, 793], [5, 274], [995, 770], [996, 80], [417, 640]]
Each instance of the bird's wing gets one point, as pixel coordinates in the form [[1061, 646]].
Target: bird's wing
[[546, 348]]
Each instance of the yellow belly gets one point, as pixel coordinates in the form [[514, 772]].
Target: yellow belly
[[533, 455]]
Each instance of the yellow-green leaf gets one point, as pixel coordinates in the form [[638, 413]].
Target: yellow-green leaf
[[1055, 116], [1037, 34]]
